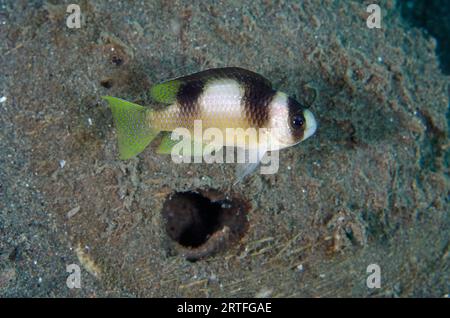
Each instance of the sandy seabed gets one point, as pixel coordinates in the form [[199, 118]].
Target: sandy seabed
[[371, 187]]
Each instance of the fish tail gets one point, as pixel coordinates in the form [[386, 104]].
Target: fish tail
[[134, 131]]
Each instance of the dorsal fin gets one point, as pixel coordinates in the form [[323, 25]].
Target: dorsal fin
[[165, 92], [169, 91]]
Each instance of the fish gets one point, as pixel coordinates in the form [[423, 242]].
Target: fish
[[221, 98]]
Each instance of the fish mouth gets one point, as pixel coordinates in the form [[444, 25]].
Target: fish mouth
[[311, 124]]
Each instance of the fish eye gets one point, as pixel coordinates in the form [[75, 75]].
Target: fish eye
[[297, 121]]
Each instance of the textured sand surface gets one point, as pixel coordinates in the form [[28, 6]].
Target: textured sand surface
[[370, 187]]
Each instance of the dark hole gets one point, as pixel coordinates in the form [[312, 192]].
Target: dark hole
[[106, 83], [192, 218], [117, 60], [349, 234]]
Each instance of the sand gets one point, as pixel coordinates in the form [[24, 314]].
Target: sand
[[371, 187]]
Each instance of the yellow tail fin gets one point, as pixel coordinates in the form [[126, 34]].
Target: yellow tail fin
[[133, 128]]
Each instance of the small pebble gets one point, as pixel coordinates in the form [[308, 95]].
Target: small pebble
[[2, 99], [62, 163]]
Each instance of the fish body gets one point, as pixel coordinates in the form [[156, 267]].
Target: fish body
[[221, 98]]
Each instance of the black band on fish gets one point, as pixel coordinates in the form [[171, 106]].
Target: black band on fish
[[256, 101], [188, 95]]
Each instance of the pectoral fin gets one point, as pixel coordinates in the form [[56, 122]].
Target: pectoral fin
[[166, 145], [253, 159]]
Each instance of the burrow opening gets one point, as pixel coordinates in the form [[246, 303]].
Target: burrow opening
[[204, 222]]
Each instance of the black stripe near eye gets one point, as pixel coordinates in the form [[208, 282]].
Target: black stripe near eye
[[257, 99], [297, 120]]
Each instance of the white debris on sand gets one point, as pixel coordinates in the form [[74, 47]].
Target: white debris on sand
[[72, 212], [264, 293]]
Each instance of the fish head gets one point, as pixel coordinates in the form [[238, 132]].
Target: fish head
[[290, 122]]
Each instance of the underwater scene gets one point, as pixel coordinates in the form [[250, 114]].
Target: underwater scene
[[224, 149]]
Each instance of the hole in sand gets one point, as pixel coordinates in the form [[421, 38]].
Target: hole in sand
[[204, 222], [106, 83]]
